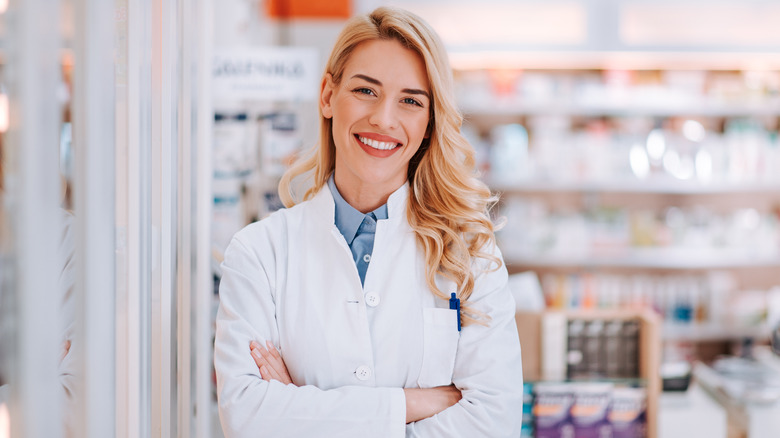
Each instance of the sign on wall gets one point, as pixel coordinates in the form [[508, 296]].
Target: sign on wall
[[296, 9], [266, 74]]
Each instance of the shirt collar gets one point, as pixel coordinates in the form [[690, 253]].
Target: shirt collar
[[347, 218]]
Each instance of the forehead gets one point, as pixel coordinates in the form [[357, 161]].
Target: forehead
[[389, 62]]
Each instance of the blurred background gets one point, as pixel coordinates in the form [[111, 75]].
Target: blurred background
[[633, 143]]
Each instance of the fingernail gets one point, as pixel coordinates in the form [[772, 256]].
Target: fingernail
[[255, 353], [269, 345]]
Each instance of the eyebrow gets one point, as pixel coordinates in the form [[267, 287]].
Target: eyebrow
[[371, 80]]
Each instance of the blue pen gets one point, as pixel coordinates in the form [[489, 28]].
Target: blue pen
[[455, 305]]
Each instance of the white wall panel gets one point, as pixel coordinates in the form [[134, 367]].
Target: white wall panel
[[30, 201], [93, 122]]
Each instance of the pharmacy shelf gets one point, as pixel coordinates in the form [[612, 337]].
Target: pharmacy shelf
[[660, 186], [498, 107], [703, 332], [476, 58], [651, 258]]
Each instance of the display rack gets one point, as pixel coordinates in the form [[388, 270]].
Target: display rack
[[620, 109], [649, 258], [708, 332], [614, 185], [581, 93]]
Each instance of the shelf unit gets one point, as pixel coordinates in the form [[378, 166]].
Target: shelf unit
[[579, 100], [634, 185], [708, 332], [613, 37], [649, 258], [717, 108], [666, 258]]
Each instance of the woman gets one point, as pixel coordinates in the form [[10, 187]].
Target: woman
[[352, 285]]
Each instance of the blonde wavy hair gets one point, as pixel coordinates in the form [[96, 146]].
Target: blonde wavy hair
[[448, 207]]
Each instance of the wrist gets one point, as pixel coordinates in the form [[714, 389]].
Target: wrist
[[412, 404], [409, 404]]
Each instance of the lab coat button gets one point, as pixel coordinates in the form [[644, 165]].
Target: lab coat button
[[372, 299], [363, 372]]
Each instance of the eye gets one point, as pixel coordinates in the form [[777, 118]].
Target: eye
[[363, 90], [411, 101]]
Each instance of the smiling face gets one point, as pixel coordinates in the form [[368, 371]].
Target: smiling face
[[380, 114]]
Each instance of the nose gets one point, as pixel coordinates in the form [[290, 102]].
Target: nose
[[384, 114]]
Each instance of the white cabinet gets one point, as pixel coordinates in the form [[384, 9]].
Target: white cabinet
[[691, 414]]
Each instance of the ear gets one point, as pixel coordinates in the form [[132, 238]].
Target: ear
[[428, 128], [326, 94]]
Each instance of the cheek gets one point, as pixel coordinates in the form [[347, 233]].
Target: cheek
[[340, 123], [421, 128], [345, 107]]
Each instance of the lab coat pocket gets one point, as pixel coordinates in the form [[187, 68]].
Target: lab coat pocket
[[440, 343]]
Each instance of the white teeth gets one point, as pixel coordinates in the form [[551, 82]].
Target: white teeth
[[381, 145]]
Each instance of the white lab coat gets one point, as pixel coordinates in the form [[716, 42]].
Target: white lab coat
[[290, 278]]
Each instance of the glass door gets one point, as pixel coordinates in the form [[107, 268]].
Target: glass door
[[104, 221], [38, 265]]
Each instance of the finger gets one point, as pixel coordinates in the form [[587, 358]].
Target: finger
[[265, 374], [273, 350], [272, 372], [278, 366], [265, 356], [458, 395], [257, 357], [276, 359], [285, 376], [259, 353], [260, 362], [271, 360], [454, 394], [66, 349]]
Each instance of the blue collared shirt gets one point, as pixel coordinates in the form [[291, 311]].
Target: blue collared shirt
[[357, 228]]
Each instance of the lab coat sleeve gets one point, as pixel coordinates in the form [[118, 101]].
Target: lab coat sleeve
[[488, 370], [252, 407]]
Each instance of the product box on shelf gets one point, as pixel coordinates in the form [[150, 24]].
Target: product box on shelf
[[552, 411], [548, 356], [590, 410], [582, 409], [527, 430], [627, 414]]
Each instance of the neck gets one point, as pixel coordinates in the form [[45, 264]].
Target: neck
[[363, 197]]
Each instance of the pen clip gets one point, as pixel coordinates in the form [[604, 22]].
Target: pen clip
[[455, 305]]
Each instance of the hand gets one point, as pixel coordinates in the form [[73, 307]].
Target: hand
[[422, 403], [269, 362], [66, 349]]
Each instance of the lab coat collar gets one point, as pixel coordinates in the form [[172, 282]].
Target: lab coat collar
[[396, 203]]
